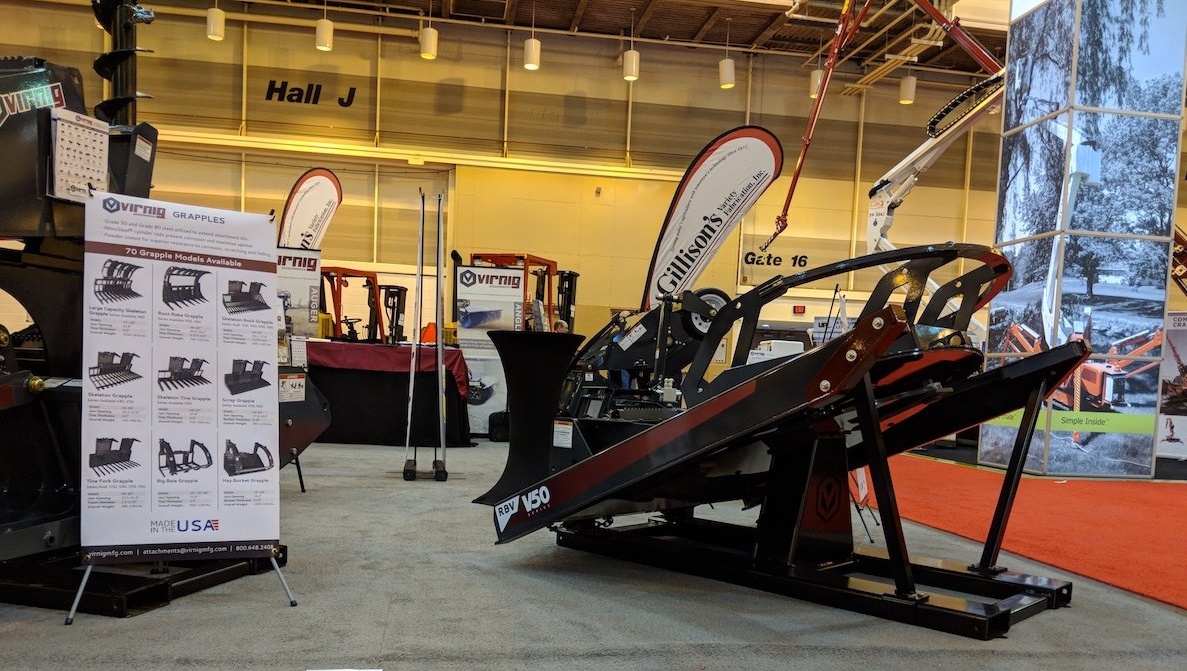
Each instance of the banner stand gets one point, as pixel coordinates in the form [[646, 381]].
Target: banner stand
[[86, 576], [180, 401]]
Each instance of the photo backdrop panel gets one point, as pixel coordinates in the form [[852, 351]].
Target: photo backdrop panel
[[1089, 437], [1126, 168], [1022, 317], [1031, 180], [1117, 287], [1039, 52], [1130, 55]]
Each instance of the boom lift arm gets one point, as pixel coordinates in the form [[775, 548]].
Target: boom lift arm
[[895, 185]]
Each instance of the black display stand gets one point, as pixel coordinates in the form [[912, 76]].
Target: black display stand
[[369, 408], [534, 367]]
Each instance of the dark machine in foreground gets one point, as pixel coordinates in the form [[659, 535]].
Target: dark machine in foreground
[[782, 435]]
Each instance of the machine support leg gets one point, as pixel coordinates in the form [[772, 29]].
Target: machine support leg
[[1005, 500], [892, 525], [86, 575], [300, 475], [781, 507], [283, 583]]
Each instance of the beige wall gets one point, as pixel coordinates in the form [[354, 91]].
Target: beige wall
[[521, 156], [603, 228]]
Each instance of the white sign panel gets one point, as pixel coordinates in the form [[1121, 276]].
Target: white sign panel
[[489, 299], [1172, 424], [299, 289], [180, 413]]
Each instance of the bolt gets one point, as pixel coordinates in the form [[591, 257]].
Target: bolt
[[4, 340], [35, 385], [851, 356], [878, 323], [825, 385]]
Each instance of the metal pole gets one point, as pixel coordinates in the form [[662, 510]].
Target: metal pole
[[1005, 499], [410, 464], [283, 583], [440, 474], [86, 575]]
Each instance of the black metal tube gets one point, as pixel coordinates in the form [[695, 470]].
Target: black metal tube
[[892, 525], [1005, 499]]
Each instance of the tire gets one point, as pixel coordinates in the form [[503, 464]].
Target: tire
[[696, 325]]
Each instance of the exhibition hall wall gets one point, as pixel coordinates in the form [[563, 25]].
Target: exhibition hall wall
[[568, 162]]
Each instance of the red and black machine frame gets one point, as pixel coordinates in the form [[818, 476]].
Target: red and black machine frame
[[782, 435]]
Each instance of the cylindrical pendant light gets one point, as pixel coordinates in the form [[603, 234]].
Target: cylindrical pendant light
[[531, 46], [216, 23], [630, 65], [814, 83], [428, 38], [630, 57], [428, 43], [325, 35], [906, 90], [725, 73], [725, 66], [531, 54], [324, 29]]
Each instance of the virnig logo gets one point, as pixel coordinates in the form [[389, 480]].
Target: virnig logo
[[111, 204]]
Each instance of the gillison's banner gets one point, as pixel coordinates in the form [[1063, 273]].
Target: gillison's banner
[[310, 206], [719, 187]]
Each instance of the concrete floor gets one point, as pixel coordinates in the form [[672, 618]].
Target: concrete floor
[[405, 575]]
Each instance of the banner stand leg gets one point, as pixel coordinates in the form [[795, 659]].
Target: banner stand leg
[[78, 595], [861, 516], [279, 574]]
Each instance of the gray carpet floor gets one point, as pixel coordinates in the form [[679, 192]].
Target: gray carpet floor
[[405, 575]]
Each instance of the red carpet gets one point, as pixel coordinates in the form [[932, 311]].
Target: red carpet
[[1124, 533]]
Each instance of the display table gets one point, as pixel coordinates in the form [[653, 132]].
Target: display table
[[367, 388]]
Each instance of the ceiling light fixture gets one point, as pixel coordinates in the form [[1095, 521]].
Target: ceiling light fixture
[[814, 83], [906, 90], [325, 29], [531, 46], [630, 57], [725, 67], [216, 23], [428, 38]]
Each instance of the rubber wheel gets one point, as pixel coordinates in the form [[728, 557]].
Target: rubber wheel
[[696, 325]]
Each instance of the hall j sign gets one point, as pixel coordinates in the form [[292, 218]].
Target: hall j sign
[[310, 94]]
